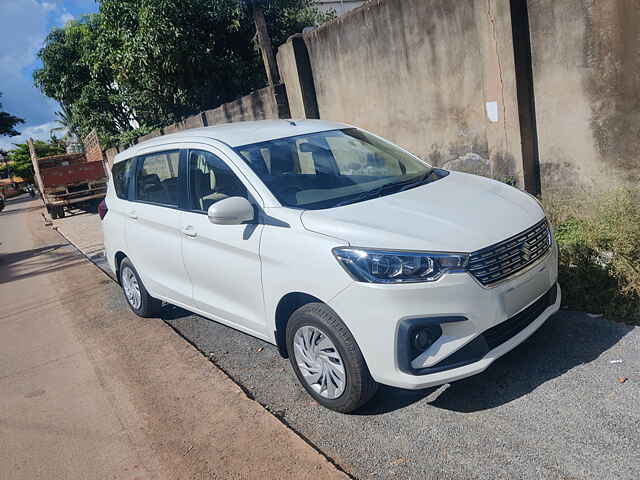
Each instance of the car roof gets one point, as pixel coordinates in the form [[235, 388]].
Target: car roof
[[238, 133]]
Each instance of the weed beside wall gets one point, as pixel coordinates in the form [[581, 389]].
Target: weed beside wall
[[599, 240]]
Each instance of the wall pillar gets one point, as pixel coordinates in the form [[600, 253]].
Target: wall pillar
[[295, 71], [526, 96], [500, 99]]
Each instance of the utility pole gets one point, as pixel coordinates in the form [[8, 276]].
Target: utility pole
[[264, 41]]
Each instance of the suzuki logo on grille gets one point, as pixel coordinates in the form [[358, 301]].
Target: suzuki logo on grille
[[526, 253]]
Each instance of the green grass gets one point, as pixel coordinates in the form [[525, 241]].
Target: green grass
[[599, 240]]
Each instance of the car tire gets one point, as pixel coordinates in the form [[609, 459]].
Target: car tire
[[315, 321], [139, 300]]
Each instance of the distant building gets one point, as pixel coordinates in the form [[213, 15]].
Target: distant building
[[339, 6]]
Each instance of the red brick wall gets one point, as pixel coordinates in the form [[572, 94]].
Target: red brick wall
[[92, 148]]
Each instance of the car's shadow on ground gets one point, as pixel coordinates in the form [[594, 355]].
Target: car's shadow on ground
[[171, 312], [567, 340]]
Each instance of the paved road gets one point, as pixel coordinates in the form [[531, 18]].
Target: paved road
[[553, 408], [90, 391]]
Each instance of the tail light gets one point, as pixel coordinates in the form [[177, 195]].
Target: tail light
[[102, 209]]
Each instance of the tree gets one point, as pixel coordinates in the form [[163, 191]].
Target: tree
[[8, 123], [177, 57], [65, 119], [149, 64], [76, 74]]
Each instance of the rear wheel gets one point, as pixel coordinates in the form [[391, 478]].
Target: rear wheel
[[56, 211], [139, 300], [327, 360]]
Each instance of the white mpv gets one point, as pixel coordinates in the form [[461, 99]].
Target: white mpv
[[358, 260]]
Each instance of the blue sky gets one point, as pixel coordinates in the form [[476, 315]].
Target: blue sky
[[24, 24]]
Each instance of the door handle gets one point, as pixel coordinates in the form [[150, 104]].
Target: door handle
[[189, 231], [132, 215]]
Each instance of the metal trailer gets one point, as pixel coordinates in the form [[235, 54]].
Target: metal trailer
[[66, 180]]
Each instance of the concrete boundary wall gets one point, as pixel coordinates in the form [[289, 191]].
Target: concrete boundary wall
[[264, 104], [296, 73], [435, 76], [586, 66], [545, 93]]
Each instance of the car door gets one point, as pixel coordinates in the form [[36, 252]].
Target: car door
[[223, 261], [154, 225]]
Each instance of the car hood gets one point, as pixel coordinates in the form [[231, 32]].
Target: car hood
[[459, 213]]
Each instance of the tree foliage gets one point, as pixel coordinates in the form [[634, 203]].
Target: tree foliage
[[19, 160], [8, 123], [64, 118], [141, 63], [75, 74]]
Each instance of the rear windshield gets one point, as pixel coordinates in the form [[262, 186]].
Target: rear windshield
[[334, 168]]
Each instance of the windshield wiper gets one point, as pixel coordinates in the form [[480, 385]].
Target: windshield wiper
[[414, 183], [376, 192], [363, 196]]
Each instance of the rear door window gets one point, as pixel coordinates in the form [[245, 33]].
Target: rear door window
[[122, 174], [157, 178]]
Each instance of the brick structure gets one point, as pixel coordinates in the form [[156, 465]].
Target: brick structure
[[92, 148]]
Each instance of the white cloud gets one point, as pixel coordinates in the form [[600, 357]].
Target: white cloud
[[23, 27], [37, 132], [66, 17]]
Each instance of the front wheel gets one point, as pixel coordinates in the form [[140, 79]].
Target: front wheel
[[139, 300], [327, 360]]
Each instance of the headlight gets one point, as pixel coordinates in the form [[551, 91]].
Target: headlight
[[384, 266]]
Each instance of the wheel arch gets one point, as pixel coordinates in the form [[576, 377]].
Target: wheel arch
[[118, 258], [286, 306]]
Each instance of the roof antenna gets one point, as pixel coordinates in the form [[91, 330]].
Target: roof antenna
[[292, 123]]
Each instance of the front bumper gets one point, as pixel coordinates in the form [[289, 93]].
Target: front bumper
[[375, 314]]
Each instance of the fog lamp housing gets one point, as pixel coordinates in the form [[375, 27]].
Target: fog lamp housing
[[422, 338], [416, 335]]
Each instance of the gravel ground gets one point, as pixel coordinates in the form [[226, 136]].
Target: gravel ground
[[552, 408]]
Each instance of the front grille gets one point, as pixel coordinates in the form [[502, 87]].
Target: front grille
[[510, 328], [499, 261]]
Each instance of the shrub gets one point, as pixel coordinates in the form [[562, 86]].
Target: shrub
[[599, 240]]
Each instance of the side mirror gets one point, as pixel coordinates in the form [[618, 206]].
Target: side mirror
[[231, 211]]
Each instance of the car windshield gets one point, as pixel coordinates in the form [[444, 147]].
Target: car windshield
[[333, 168]]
